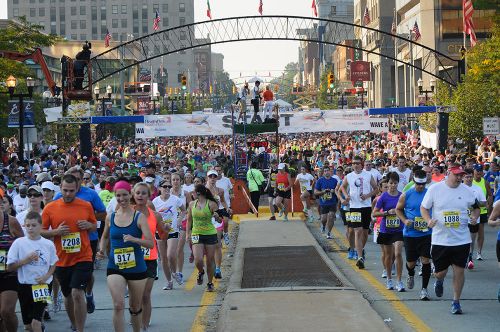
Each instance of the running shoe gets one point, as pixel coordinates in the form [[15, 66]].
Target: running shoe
[[226, 238], [272, 218], [218, 273], [479, 257], [199, 280], [354, 254], [410, 282], [310, 218], [400, 287], [97, 264], [169, 286], [73, 329], [178, 278], [384, 274], [329, 236], [456, 309], [90, 303], [389, 284], [44, 329], [282, 211], [470, 265], [360, 263], [46, 315], [191, 258], [126, 292], [350, 254], [210, 287], [285, 218], [438, 288], [424, 295], [323, 229], [420, 271]]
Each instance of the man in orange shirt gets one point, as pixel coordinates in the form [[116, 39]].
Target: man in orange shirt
[[268, 102], [68, 221]]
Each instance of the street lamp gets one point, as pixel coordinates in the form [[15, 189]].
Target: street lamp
[[421, 90], [11, 84]]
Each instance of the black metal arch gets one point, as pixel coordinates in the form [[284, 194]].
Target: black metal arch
[[234, 29]]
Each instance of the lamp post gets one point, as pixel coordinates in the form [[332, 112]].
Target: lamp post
[[155, 98], [421, 90], [11, 84], [107, 96]]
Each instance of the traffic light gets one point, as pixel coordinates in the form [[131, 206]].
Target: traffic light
[[331, 81], [184, 82], [211, 88]]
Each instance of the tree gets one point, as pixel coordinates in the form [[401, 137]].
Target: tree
[[285, 82]]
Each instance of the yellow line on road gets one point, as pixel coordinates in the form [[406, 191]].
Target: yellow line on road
[[412, 319]]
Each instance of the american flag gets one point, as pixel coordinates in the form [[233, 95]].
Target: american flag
[[107, 38], [156, 21], [366, 17], [416, 32], [468, 23], [314, 8]]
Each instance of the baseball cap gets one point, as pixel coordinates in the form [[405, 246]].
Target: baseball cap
[[151, 165], [149, 179], [49, 185], [10, 185], [212, 172], [420, 180], [36, 188], [457, 170], [42, 177], [478, 167], [281, 166]]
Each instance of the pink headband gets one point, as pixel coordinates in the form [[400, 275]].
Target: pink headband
[[123, 185]]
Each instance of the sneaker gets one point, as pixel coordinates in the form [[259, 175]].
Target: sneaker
[[169, 286], [310, 219], [456, 309], [410, 282], [97, 264], [400, 286], [272, 218], [424, 295], [282, 211], [191, 258], [479, 257], [218, 273], [360, 263], [178, 278], [384, 274], [73, 329], [329, 236], [90, 303], [389, 284], [44, 329], [420, 271], [354, 254], [323, 229], [470, 265], [285, 218], [350, 254], [126, 292], [210, 287], [438, 288], [199, 280], [46, 315], [226, 238]]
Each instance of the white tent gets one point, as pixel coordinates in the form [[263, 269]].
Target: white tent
[[254, 79], [282, 103]]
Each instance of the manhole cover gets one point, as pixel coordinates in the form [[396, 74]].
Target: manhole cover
[[285, 267]]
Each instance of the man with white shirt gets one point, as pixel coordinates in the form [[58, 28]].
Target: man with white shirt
[[21, 202], [225, 184], [374, 172], [404, 173]]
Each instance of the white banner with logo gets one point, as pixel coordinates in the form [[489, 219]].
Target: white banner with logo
[[428, 139], [294, 122]]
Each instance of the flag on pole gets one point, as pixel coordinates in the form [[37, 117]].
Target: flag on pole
[[314, 8], [156, 21], [366, 17], [107, 38], [468, 23], [261, 9], [416, 32], [209, 12]]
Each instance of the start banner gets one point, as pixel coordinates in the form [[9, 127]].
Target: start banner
[[294, 122]]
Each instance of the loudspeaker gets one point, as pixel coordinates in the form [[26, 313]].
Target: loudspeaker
[[442, 131], [85, 140]]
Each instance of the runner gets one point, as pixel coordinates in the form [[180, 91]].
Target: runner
[[271, 187], [416, 233], [450, 201], [403, 171], [481, 182], [494, 221], [283, 191], [325, 189], [345, 214], [9, 284], [224, 183], [34, 259], [390, 236], [179, 191], [202, 233], [124, 230], [362, 187], [255, 180], [306, 183], [69, 221]]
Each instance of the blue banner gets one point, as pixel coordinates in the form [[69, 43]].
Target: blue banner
[[29, 114]]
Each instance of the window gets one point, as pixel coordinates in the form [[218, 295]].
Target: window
[[144, 12], [73, 11], [182, 35], [74, 25], [53, 28], [62, 14], [156, 7], [15, 2], [144, 26], [164, 8], [32, 12], [165, 22], [115, 36], [74, 36], [124, 22], [103, 12], [136, 27], [83, 36], [135, 12], [41, 11], [124, 9], [32, 1], [93, 11], [114, 23], [182, 20], [83, 24], [182, 7], [62, 29], [42, 24], [52, 14], [83, 10], [41, 1], [114, 9], [94, 29], [333, 10], [94, 36]]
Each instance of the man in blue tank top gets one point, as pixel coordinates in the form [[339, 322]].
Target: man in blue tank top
[[416, 233]]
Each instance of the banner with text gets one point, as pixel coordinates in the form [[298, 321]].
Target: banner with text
[[290, 123], [29, 114]]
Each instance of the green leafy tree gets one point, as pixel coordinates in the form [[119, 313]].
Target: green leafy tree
[[285, 82]]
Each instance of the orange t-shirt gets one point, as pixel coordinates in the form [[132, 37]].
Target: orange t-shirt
[[75, 247], [268, 95]]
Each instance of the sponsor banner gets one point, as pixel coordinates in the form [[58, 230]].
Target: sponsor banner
[[491, 126], [29, 114], [220, 124], [360, 71], [428, 139], [143, 105], [78, 109]]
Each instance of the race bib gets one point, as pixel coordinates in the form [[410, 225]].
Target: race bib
[[327, 196], [124, 258], [451, 219], [3, 260], [355, 216], [281, 186], [420, 224], [392, 222], [146, 252], [41, 293], [71, 243], [303, 189], [195, 239]]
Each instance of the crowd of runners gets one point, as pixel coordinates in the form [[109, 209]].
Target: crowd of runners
[[138, 204]]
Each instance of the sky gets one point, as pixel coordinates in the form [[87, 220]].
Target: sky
[[247, 57]]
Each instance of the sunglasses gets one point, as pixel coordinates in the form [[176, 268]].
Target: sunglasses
[[86, 178], [34, 195], [212, 176], [356, 163], [46, 189], [166, 187]]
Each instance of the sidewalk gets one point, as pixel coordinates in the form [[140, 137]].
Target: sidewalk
[[291, 307]]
